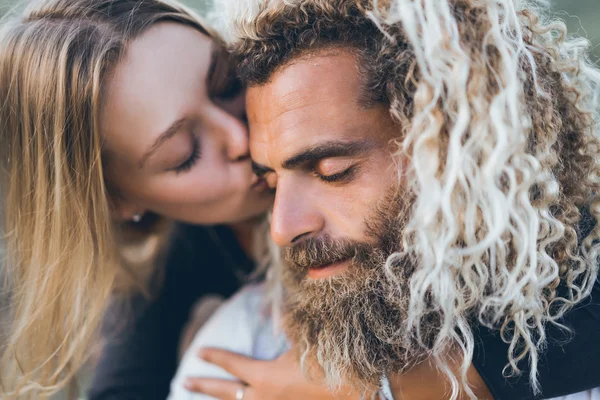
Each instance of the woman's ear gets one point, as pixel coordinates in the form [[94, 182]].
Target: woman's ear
[[123, 210]]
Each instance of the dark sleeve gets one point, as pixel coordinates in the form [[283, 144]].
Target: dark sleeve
[[570, 364], [140, 356]]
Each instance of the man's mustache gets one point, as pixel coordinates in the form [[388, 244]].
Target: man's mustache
[[323, 250]]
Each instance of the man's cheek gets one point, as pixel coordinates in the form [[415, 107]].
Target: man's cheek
[[348, 210]]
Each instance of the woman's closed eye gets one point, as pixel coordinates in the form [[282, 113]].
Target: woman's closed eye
[[189, 163]]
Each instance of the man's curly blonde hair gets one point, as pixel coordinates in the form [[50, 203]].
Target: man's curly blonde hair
[[498, 116]]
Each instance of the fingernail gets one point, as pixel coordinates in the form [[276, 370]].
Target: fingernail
[[202, 354], [188, 384]]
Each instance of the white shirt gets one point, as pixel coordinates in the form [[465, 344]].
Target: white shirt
[[240, 325], [243, 325]]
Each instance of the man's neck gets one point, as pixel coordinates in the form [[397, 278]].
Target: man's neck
[[426, 382]]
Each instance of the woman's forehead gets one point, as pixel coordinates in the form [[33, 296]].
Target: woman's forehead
[[161, 79]]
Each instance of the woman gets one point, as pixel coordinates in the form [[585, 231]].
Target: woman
[[93, 150], [119, 116]]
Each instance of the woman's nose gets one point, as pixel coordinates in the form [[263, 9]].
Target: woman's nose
[[235, 133]]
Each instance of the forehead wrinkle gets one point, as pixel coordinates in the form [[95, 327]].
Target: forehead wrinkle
[[297, 110], [286, 109], [289, 84]]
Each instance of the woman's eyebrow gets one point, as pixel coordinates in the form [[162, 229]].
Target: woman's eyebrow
[[162, 138]]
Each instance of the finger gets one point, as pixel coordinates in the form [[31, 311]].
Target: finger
[[242, 367], [218, 388]]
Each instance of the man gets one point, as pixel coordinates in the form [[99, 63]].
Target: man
[[431, 162]]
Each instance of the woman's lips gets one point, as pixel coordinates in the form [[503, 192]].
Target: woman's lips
[[329, 270], [260, 185]]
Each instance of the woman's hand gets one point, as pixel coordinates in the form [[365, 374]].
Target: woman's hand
[[280, 379]]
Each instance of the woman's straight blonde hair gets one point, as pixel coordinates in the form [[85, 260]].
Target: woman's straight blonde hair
[[62, 249]]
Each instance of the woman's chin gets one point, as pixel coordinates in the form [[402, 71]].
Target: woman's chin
[[255, 208], [252, 205]]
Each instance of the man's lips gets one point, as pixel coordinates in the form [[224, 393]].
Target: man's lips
[[328, 270]]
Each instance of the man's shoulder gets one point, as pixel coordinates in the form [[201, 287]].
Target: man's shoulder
[[593, 394]]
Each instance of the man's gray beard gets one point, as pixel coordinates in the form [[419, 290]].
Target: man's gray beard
[[353, 325]]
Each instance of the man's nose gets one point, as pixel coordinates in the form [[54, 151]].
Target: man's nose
[[295, 216]]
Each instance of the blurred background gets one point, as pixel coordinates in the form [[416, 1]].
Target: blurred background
[[582, 18]]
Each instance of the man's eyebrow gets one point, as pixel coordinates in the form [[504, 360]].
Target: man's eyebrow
[[166, 135], [316, 153], [329, 149]]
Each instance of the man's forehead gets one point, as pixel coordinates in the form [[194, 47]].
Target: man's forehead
[[307, 81], [304, 100]]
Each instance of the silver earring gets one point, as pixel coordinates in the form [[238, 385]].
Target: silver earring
[[136, 218]]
